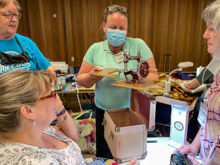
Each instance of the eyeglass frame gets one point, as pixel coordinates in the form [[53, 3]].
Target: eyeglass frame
[[11, 15], [53, 94], [117, 8]]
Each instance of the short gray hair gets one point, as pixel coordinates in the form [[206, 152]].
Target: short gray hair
[[4, 2], [211, 14], [19, 88]]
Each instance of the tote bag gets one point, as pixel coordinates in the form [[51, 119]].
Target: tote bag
[[85, 122]]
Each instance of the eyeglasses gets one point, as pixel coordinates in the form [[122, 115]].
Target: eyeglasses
[[113, 9], [10, 15], [53, 94]]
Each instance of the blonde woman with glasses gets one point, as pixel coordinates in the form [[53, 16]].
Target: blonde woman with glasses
[[28, 106]]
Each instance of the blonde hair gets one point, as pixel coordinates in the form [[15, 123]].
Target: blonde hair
[[211, 14], [4, 2], [19, 88]]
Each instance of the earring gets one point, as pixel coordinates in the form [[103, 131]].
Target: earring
[[34, 123]]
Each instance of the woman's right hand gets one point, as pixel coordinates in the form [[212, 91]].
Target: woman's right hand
[[187, 149], [84, 78], [93, 77]]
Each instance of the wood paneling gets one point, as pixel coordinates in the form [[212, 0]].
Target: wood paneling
[[167, 26]]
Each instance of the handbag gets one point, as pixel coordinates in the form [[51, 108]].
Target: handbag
[[85, 122]]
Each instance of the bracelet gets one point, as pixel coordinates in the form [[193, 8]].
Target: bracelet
[[62, 112]]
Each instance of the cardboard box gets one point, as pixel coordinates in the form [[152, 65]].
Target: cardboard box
[[125, 129]]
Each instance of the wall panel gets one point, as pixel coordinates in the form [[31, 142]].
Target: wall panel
[[167, 26]]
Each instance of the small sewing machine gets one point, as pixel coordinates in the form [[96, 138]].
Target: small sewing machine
[[141, 72], [138, 75]]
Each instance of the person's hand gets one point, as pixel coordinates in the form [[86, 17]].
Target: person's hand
[[134, 161], [54, 78], [96, 78], [59, 104], [185, 84], [186, 149], [193, 160]]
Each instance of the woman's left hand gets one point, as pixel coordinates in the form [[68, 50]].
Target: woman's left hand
[[193, 160], [59, 104], [134, 161], [54, 79]]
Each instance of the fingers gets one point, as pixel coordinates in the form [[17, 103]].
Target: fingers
[[193, 160], [52, 84], [96, 69], [59, 104], [186, 84], [134, 161], [96, 77], [58, 100], [53, 78], [183, 149]]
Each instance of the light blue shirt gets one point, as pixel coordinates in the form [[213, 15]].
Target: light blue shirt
[[11, 47], [108, 96]]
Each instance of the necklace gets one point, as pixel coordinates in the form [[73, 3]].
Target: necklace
[[113, 51]]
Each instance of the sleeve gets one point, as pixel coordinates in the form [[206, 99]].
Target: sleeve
[[90, 55], [33, 51], [39, 58], [214, 153], [146, 53], [205, 76]]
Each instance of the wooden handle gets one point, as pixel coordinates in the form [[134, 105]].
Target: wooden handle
[[154, 70]]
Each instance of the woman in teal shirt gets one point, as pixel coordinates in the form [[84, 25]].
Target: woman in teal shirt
[[102, 54]]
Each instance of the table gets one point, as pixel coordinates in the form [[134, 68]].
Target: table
[[81, 90], [159, 152]]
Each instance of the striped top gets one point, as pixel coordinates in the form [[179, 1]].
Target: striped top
[[210, 135]]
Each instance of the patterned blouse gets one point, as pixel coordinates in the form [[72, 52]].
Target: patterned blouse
[[22, 154], [210, 135]]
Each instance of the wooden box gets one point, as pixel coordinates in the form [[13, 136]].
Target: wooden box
[[125, 129]]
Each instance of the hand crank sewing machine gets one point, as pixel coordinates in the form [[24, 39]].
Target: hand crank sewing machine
[[141, 72], [138, 75]]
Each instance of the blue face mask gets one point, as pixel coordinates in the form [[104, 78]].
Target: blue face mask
[[116, 37]]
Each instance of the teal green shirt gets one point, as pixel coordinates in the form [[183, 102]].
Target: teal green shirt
[[108, 96]]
